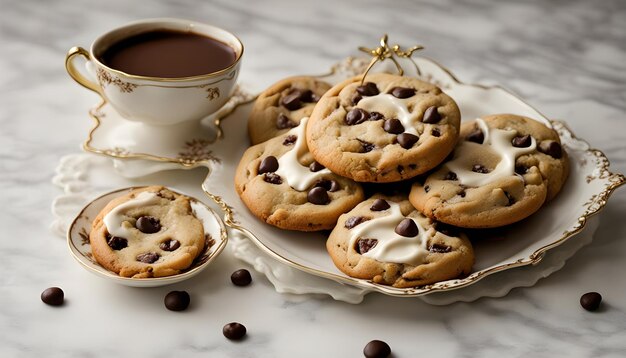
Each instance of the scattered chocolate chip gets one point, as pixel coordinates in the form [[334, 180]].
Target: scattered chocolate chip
[[365, 245], [426, 188], [354, 221], [148, 257], [439, 248], [241, 277], [393, 126], [435, 132], [318, 196], [329, 185], [375, 116], [268, 165], [117, 243], [283, 122], [234, 331], [177, 300], [366, 146], [431, 115], [450, 176], [477, 168], [462, 193], [377, 349], [316, 167], [169, 245], [52, 296], [356, 99], [407, 228], [356, 116], [290, 139], [273, 178], [521, 170], [402, 92], [510, 198], [308, 96], [292, 100], [148, 224], [380, 205], [521, 141], [368, 89], [446, 229], [477, 136], [552, 149], [591, 301], [406, 140]]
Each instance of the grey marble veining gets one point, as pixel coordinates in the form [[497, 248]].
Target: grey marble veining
[[567, 58]]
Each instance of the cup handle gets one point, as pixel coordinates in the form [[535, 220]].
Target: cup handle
[[75, 74]]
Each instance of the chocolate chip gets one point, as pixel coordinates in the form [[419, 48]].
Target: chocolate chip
[[117, 243], [329, 185], [380, 205], [407, 228], [450, 176], [368, 89], [406, 140], [268, 165], [318, 196], [591, 301], [510, 198], [477, 136], [177, 300], [308, 96], [402, 92], [148, 224], [366, 146], [375, 116], [521, 141], [552, 149], [477, 168], [283, 122], [52, 296], [241, 277], [446, 229], [169, 245], [290, 139], [234, 331], [316, 167], [273, 178], [354, 221], [462, 193], [400, 169], [365, 245], [521, 170], [439, 248], [356, 99], [292, 100], [377, 349], [435, 132], [148, 257], [356, 116], [431, 115], [393, 126], [426, 188]]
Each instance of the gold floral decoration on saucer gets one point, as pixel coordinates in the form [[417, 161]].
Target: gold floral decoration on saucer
[[384, 52]]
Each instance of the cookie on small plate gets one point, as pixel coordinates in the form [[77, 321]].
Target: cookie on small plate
[[503, 170], [389, 129], [149, 232], [280, 107], [384, 239], [281, 183]]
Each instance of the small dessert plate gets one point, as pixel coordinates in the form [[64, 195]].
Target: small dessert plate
[[78, 242]]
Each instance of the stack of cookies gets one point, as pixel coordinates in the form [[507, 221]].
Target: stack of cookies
[[317, 150]]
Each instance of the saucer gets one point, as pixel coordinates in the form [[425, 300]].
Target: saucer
[[78, 242]]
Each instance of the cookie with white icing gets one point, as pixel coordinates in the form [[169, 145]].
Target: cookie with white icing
[[149, 232], [281, 184], [503, 170], [389, 129], [384, 239], [281, 106]]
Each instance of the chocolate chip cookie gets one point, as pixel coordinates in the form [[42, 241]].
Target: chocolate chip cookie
[[149, 232], [384, 239], [281, 183], [503, 170], [280, 107], [389, 129]]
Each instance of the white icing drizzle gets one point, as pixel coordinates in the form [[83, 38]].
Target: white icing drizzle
[[499, 142], [298, 176], [116, 221], [391, 247], [384, 102]]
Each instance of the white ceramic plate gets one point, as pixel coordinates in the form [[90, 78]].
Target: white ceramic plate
[[78, 242]]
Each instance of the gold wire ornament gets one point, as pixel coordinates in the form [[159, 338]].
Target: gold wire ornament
[[383, 52]]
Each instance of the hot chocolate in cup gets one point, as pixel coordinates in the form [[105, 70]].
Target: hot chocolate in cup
[[161, 71]]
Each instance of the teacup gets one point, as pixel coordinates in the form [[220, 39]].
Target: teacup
[[158, 100]]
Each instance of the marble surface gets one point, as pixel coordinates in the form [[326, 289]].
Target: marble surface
[[567, 58]]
